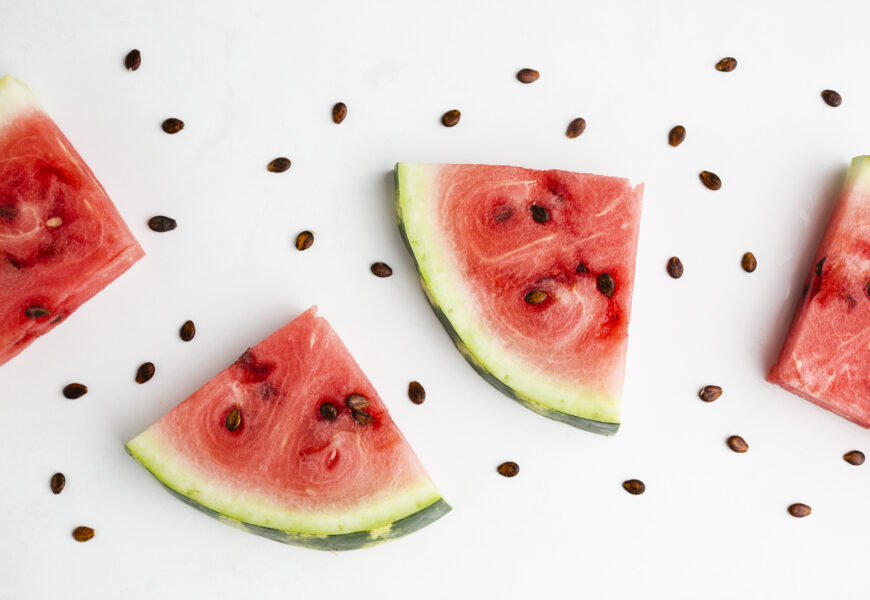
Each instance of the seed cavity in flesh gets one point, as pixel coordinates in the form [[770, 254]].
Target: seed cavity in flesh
[[854, 457], [145, 372], [8, 212], [381, 269], [727, 64], [508, 469], [58, 482], [279, 165], [737, 444], [450, 118], [709, 393], [54, 222], [187, 331], [676, 136], [635, 487], [133, 60], [606, 284], [539, 213], [234, 419], [74, 391], [832, 98], [536, 296], [528, 75], [328, 411], [576, 128], [304, 240], [339, 112], [710, 180], [172, 125], [675, 267], [362, 417], [748, 262], [162, 224], [799, 510], [416, 393], [82, 533], [36, 312], [357, 402]]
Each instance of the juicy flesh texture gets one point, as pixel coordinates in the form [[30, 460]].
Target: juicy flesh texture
[[61, 238], [285, 456], [826, 355]]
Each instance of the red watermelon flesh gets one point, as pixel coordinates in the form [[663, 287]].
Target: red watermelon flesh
[[826, 355], [286, 471], [484, 237], [61, 238]]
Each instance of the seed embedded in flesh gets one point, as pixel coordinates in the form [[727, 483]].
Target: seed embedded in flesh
[[675, 267], [304, 240], [145, 372], [162, 224], [528, 75], [187, 331], [339, 112], [635, 487], [328, 411], [536, 296], [508, 469], [737, 444], [727, 64], [133, 60], [416, 393], [576, 128], [36, 312], [450, 118], [82, 534], [710, 180], [74, 391], [362, 417], [381, 269], [539, 213], [357, 402], [581, 268], [172, 125], [279, 165], [709, 393], [832, 98], [58, 481], [748, 262], [854, 457], [54, 222], [234, 419], [606, 284], [799, 510], [819, 266], [677, 135]]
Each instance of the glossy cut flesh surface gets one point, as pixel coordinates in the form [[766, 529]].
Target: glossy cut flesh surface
[[61, 238]]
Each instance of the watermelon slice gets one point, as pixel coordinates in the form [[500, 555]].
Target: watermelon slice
[[259, 447], [61, 238], [531, 273], [826, 357]]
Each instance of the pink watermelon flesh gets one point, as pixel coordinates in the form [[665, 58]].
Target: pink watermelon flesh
[[287, 472], [480, 251], [61, 238], [826, 356]]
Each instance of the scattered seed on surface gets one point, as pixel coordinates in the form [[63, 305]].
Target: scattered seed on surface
[[82, 534], [58, 481], [172, 125], [162, 224], [328, 411], [74, 391], [508, 469], [709, 393], [528, 75], [710, 180], [576, 128], [234, 419], [450, 118], [832, 98], [748, 262], [187, 331], [279, 165], [54, 222], [677, 135], [799, 510], [133, 60], [304, 240], [357, 402], [36, 312], [381, 269], [416, 392], [339, 112], [606, 284], [675, 267], [737, 444], [854, 457], [539, 213], [581, 268], [362, 417], [635, 487], [145, 372], [727, 64], [536, 296]]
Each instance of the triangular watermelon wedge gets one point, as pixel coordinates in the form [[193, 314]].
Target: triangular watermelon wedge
[[256, 447], [531, 273]]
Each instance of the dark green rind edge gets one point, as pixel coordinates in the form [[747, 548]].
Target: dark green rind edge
[[345, 541], [600, 427]]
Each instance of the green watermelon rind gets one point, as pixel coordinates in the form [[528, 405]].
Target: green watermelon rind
[[384, 519], [595, 413]]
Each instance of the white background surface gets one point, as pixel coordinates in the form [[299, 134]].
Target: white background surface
[[259, 81]]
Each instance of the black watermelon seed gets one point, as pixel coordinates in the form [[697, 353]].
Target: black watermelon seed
[[606, 284], [74, 391], [161, 224]]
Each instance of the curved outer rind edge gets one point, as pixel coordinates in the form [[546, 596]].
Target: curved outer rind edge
[[600, 427]]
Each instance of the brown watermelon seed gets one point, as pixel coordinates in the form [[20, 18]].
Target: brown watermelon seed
[[234, 419], [727, 64], [357, 402], [58, 481], [820, 265], [74, 391], [581, 268], [339, 112], [528, 75], [279, 165], [748, 262], [328, 411], [304, 240], [416, 392], [539, 213], [508, 469], [536, 296], [450, 118], [54, 222], [576, 128], [82, 534], [381, 269], [854, 457], [145, 372], [710, 180], [172, 125], [36, 312], [162, 224], [606, 284], [709, 393], [737, 444], [675, 267], [362, 417], [799, 510], [677, 135], [133, 60], [187, 331], [635, 487], [832, 98]]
